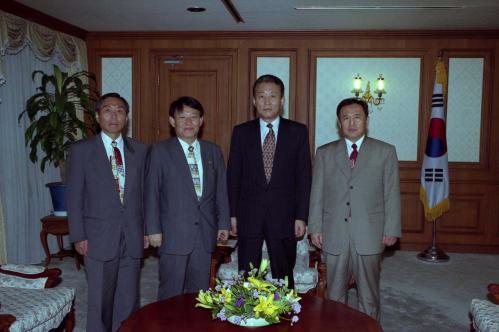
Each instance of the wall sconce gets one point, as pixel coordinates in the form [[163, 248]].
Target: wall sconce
[[366, 95]]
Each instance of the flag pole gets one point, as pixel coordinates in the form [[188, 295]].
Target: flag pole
[[433, 254]]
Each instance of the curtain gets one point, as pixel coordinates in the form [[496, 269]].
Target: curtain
[[16, 33], [3, 249], [23, 194]]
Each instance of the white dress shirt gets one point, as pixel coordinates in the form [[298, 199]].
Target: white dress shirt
[[197, 154], [350, 143], [264, 130], [110, 152]]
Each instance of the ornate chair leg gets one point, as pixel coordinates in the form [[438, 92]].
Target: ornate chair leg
[[321, 283], [69, 320]]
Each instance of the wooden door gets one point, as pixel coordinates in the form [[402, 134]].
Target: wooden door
[[208, 78]]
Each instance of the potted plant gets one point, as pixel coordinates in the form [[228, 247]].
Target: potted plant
[[55, 115]]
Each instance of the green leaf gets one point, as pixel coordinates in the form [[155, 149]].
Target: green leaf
[[53, 113]]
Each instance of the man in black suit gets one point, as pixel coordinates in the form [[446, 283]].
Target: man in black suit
[[269, 179]]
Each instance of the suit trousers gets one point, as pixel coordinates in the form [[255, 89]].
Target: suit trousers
[[282, 255], [179, 274], [366, 271], [113, 290]]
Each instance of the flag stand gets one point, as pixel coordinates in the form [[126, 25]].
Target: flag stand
[[433, 254]]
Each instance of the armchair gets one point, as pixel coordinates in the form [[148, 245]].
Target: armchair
[[29, 301], [485, 314]]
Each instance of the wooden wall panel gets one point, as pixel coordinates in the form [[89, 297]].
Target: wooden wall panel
[[465, 217], [412, 213], [472, 225]]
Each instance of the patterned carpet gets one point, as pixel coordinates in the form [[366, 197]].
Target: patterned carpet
[[416, 296]]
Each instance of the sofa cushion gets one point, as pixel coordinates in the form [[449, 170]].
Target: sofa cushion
[[26, 272], [19, 282], [25, 269], [36, 310], [485, 315]]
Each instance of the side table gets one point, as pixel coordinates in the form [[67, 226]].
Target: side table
[[57, 226]]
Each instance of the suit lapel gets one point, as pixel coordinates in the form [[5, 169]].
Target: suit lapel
[[362, 158], [130, 166], [341, 159], [183, 167], [256, 142], [282, 138], [102, 164], [207, 165]]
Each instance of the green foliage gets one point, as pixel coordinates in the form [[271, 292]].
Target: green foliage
[[53, 110], [251, 296]]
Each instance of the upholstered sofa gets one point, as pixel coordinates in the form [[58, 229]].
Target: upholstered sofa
[[30, 302], [484, 313]]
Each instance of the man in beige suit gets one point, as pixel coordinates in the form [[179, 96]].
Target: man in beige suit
[[355, 206]]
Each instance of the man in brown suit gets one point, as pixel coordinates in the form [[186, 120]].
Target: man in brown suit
[[355, 206]]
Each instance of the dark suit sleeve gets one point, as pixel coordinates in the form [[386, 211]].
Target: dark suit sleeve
[[222, 200], [234, 171], [152, 193], [304, 176], [76, 192]]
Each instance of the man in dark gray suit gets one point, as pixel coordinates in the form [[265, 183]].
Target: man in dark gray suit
[[105, 188], [186, 202]]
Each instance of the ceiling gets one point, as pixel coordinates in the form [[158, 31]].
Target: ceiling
[[271, 15]]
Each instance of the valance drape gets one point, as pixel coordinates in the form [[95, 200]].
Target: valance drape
[[17, 33]]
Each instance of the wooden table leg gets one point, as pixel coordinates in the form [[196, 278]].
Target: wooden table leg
[[60, 244], [43, 239]]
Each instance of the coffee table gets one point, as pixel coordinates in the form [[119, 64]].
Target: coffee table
[[179, 314]]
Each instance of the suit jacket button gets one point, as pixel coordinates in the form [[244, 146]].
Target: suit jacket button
[[196, 223], [348, 203], [351, 187], [346, 219]]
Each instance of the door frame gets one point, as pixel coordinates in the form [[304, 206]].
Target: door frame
[[155, 57]]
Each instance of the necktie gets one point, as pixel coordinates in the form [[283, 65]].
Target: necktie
[[353, 156], [268, 150], [193, 167], [118, 170]]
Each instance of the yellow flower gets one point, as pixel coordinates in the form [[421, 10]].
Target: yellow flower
[[263, 265], [260, 284], [266, 306], [205, 300], [227, 295]]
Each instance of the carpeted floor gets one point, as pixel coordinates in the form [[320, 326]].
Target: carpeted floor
[[416, 296]]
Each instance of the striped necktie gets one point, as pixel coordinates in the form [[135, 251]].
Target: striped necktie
[[193, 167]]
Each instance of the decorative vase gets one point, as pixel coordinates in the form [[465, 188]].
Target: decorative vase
[[58, 194], [249, 322]]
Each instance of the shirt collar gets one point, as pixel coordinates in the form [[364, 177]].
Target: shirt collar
[[275, 123], [186, 145], [108, 140], [358, 143]]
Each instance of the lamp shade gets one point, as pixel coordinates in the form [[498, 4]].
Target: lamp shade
[[381, 83], [357, 82]]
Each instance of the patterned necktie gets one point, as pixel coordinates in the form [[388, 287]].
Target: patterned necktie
[[193, 167], [118, 170], [353, 156], [268, 150]]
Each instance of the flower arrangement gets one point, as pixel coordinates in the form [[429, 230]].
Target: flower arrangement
[[251, 296]]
